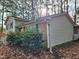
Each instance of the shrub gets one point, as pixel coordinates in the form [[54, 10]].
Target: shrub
[[30, 40], [14, 38]]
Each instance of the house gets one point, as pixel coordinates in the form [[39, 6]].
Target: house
[[13, 23], [56, 29]]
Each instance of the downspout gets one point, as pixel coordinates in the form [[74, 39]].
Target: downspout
[[48, 37]]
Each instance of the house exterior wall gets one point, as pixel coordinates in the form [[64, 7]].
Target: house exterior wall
[[60, 30], [18, 25], [10, 25], [43, 30]]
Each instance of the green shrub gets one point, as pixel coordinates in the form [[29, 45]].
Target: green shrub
[[14, 38], [30, 40], [30, 29]]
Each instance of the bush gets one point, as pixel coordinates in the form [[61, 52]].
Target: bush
[[14, 38], [30, 40]]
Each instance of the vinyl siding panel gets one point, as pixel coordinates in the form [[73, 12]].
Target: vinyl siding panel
[[61, 30]]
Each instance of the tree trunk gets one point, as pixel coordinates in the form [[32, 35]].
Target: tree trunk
[[61, 6], [2, 15], [75, 13], [58, 7], [64, 6], [33, 16], [22, 9], [67, 6]]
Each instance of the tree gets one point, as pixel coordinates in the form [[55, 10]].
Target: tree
[[3, 2], [75, 13], [61, 6], [31, 9], [7, 6]]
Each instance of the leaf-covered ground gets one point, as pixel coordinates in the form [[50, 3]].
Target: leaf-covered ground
[[65, 51], [7, 52], [68, 50]]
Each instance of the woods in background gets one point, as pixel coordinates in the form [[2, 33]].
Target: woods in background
[[33, 9]]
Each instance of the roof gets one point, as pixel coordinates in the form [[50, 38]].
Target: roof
[[16, 18], [47, 18]]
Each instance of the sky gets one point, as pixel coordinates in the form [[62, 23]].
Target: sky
[[72, 6]]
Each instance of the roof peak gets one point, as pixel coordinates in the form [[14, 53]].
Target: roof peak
[[57, 15]]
